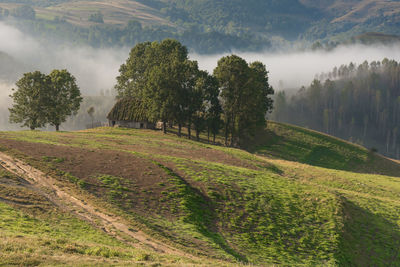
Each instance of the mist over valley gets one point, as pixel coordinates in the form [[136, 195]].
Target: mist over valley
[[96, 69]]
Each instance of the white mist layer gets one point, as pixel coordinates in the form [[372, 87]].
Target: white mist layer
[[94, 69], [295, 69], [5, 103]]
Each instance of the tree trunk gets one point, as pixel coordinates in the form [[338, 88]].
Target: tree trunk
[[226, 132], [189, 129], [164, 127], [197, 135], [213, 138], [232, 129], [226, 135], [57, 127], [208, 134], [179, 129]]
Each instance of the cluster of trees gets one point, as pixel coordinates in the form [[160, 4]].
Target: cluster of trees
[[286, 18], [200, 38], [23, 11], [358, 103], [174, 90], [4, 13], [106, 35], [40, 99], [97, 17]]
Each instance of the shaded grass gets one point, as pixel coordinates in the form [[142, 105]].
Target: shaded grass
[[368, 239], [317, 149]]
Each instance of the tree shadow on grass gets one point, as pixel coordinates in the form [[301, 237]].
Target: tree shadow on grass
[[367, 239], [200, 213]]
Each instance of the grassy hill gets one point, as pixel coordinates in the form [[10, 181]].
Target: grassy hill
[[123, 196], [117, 12]]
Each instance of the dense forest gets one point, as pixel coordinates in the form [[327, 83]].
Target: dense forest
[[360, 103], [104, 35], [274, 17], [204, 26], [100, 34]]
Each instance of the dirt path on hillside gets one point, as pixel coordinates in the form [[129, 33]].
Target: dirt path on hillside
[[111, 224]]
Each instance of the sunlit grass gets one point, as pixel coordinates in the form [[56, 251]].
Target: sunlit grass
[[298, 198]]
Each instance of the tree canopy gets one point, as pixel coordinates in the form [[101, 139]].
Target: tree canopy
[[24, 12], [64, 98], [244, 96], [174, 90], [161, 74], [40, 99], [29, 100]]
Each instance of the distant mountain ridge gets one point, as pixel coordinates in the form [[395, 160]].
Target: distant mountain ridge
[[259, 20]]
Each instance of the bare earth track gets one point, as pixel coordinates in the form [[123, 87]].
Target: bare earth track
[[110, 224]]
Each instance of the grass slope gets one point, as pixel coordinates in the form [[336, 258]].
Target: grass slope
[[297, 198], [33, 232], [116, 12]]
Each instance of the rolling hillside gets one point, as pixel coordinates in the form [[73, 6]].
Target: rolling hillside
[[221, 25], [116, 12], [123, 197]]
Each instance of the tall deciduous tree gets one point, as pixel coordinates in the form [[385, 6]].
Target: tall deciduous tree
[[206, 105], [245, 97], [30, 98], [161, 75], [134, 72], [233, 75], [197, 104], [64, 97], [258, 100]]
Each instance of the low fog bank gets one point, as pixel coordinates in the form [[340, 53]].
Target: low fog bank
[[96, 69], [5, 103], [102, 105], [293, 69]]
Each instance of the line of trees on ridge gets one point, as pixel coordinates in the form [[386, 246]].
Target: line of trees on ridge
[[173, 89], [358, 103]]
